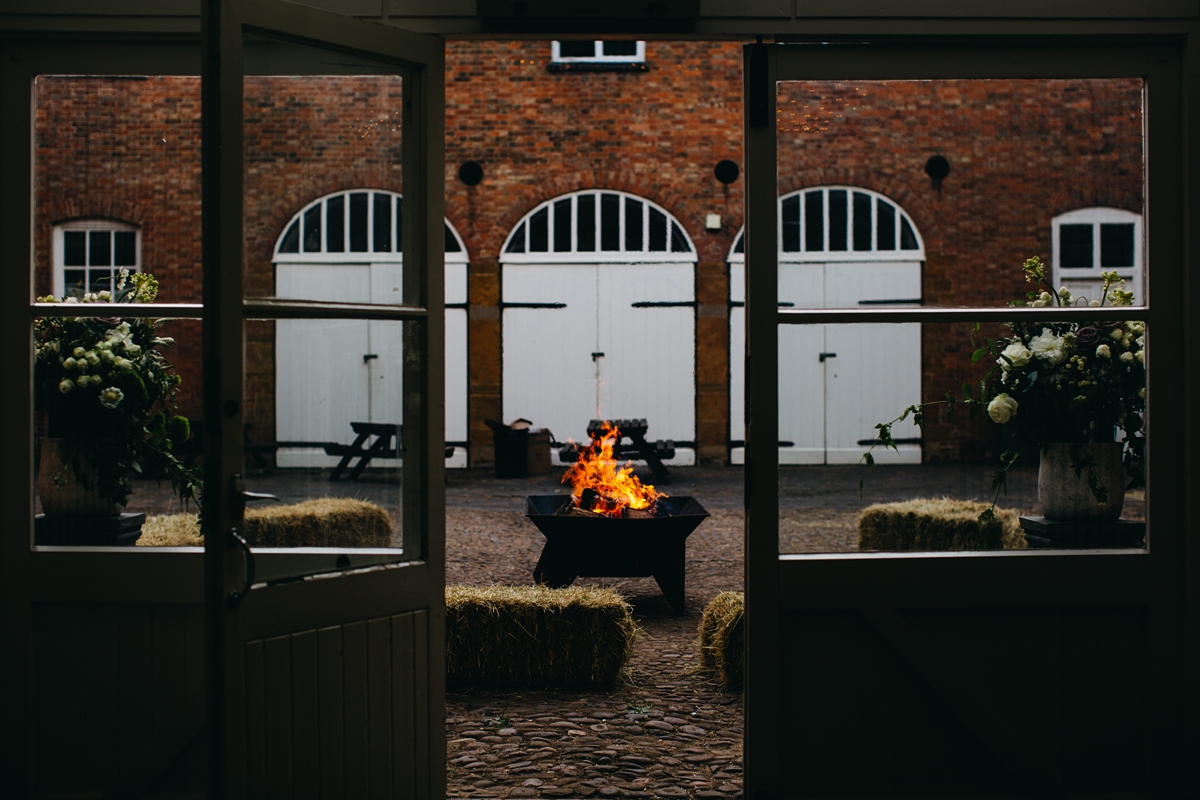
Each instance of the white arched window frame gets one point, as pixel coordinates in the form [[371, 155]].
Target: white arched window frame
[[87, 253], [353, 226], [840, 223], [1088, 241], [598, 226]]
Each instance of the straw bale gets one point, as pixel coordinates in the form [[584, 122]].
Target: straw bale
[[722, 637], [325, 522], [535, 637], [937, 524]]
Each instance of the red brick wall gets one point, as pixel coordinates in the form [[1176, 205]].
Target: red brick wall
[[1020, 153]]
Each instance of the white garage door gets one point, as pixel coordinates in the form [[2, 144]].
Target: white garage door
[[837, 381], [330, 373], [598, 292]]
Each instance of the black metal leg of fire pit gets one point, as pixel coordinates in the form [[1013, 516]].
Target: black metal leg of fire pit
[[669, 576], [554, 569]]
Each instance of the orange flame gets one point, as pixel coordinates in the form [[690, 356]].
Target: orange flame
[[613, 489]]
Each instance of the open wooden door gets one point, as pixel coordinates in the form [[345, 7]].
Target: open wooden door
[[325, 651], [1015, 673]]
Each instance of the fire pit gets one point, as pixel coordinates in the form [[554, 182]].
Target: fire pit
[[613, 526], [615, 547]]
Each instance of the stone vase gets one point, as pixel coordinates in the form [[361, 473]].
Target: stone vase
[[1067, 496], [72, 500]]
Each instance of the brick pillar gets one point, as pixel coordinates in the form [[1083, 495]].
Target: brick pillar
[[712, 362], [483, 357]]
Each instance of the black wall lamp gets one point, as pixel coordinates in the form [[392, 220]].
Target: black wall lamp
[[937, 168], [470, 173], [726, 171]]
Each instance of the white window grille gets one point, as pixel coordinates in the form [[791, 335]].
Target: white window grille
[[841, 223], [600, 52], [1089, 241], [89, 253], [598, 226], [353, 226]]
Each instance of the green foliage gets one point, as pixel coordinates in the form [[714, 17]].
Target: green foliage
[[110, 395]]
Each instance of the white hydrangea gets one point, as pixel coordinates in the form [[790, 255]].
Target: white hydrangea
[[1048, 346]]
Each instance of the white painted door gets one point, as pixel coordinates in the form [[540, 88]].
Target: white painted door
[[321, 383], [836, 381], [330, 373], [646, 330], [549, 338], [613, 341], [876, 373]]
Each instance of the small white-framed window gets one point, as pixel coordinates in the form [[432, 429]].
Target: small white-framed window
[[88, 253], [598, 54], [1089, 241], [598, 226], [841, 223], [352, 227]]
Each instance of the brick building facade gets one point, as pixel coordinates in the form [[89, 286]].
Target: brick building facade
[[1020, 153]]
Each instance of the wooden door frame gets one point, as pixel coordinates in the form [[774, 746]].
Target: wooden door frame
[[877, 583]]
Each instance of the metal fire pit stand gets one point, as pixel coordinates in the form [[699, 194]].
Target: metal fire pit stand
[[612, 547]]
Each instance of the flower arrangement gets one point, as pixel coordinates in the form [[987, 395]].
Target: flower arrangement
[[109, 395], [1072, 382]]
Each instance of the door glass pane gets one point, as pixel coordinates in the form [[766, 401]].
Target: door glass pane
[[325, 424], [954, 183], [1053, 396], [117, 397]]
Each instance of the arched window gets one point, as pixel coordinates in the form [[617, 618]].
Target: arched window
[[88, 253], [353, 226], [598, 310], [598, 226], [1089, 241], [841, 223]]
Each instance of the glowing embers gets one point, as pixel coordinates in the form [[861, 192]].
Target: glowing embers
[[600, 487]]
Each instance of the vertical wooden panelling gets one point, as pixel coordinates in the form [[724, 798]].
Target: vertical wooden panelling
[[277, 702], [354, 666], [256, 768], [403, 736], [379, 704], [57, 653], [104, 706], [169, 650], [421, 721], [331, 710], [306, 729], [136, 642]]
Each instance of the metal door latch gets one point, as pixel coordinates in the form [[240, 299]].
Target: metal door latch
[[241, 496], [369, 357], [824, 356], [597, 356]]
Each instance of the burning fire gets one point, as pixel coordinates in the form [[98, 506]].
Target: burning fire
[[600, 487]]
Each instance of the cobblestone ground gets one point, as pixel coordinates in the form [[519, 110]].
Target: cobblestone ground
[[665, 731]]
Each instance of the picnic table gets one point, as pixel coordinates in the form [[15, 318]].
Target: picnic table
[[387, 444], [637, 447]]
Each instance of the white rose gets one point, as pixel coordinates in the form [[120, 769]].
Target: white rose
[[82, 381], [68, 363], [1002, 408], [107, 356], [1016, 355], [122, 363], [1142, 392], [1141, 356], [1103, 352], [1064, 294], [1127, 357], [1047, 346], [65, 385], [1045, 297], [132, 349], [78, 352], [1094, 303], [111, 396], [92, 359], [1117, 334]]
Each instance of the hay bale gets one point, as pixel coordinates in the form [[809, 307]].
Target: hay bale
[[535, 637], [722, 639], [325, 522], [937, 524], [171, 530]]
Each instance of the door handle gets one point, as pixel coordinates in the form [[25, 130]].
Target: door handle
[[241, 496], [369, 357], [597, 356], [235, 598], [824, 356]]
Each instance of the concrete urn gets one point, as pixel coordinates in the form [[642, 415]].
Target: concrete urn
[[1065, 495], [71, 499]]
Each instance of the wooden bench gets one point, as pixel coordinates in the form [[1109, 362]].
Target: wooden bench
[[637, 447], [385, 434]]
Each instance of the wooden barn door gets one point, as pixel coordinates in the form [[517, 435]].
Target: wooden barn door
[[1022, 673], [325, 672]]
